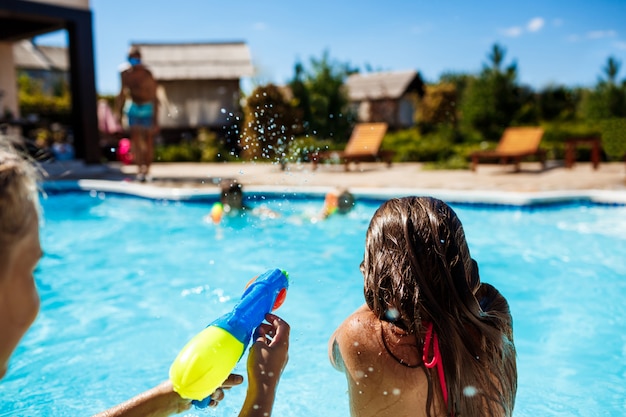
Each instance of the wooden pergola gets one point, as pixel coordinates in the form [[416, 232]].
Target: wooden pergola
[[25, 19]]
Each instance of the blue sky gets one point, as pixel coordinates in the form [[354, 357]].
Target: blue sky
[[553, 41]]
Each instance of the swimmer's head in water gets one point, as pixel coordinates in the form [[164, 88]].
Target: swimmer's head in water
[[231, 194], [345, 202]]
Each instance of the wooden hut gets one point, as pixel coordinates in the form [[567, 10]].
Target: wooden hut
[[199, 82], [388, 97]]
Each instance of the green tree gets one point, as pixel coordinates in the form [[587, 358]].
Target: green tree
[[301, 95], [459, 80], [270, 125], [493, 100], [438, 106], [608, 99], [321, 99], [557, 103]]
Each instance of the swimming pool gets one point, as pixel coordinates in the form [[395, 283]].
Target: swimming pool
[[125, 282]]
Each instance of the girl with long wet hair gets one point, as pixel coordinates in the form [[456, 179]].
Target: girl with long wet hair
[[431, 339]]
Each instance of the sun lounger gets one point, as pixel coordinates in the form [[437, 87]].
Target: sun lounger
[[516, 144], [363, 146]]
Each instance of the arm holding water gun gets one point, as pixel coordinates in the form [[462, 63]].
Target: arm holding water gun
[[201, 371], [266, 361]]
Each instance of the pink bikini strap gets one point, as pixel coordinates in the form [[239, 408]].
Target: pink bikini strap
[[436, 360]]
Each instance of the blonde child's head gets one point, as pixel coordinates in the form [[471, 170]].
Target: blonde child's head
[[19, 203]]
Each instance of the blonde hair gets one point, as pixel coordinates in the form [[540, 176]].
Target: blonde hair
[[19, 202]]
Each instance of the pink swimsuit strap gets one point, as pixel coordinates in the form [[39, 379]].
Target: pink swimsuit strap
[[436, 360]]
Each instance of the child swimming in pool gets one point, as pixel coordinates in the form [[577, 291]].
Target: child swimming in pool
[[430, 340], [20, 251], [231, 204], [340, 201]]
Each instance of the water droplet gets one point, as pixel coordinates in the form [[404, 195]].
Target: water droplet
[[470, 391], [392, 314], [395, 391]]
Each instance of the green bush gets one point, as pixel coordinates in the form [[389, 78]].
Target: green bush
[[614, 138], [51, 107], [557, 132], [183, 152], [301, 148], [456, 161], [204, 148], [411, 145]]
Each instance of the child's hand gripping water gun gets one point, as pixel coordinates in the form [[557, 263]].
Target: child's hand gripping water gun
[[210, 356]]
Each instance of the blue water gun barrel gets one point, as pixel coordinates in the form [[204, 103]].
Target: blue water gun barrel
[[209, 357]]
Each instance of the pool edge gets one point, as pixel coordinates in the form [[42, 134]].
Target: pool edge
[[506, 198]]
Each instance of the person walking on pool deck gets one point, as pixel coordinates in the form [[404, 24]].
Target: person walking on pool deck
[[138, 102], [20, 251], [430, 340]]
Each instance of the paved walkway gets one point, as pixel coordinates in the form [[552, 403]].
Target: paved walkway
[[609, 176]]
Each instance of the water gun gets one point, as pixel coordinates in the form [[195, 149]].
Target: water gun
[[209, 357]]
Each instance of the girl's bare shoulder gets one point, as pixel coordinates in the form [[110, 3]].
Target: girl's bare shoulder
[[358, 336], [359, 325]]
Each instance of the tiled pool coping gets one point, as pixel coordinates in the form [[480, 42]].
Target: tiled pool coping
[[504, 198]]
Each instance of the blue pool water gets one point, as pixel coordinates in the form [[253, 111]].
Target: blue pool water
[[125, 282]]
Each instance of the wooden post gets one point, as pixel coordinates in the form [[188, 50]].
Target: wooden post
[[84, 97]]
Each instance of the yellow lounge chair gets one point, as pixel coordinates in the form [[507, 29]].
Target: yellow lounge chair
[[516, 143], [363, 146]]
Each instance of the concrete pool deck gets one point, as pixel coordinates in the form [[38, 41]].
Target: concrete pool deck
[[490, 184]]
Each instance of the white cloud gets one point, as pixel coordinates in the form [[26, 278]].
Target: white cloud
[[600, 34], [535, 24], [621, 45], [512, 32]]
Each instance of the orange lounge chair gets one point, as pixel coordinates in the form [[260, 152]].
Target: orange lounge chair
[[363, 146], [516, 143]]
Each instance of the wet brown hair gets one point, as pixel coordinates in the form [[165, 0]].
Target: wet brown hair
[[19, 204], [417, 268], [231, 193]]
